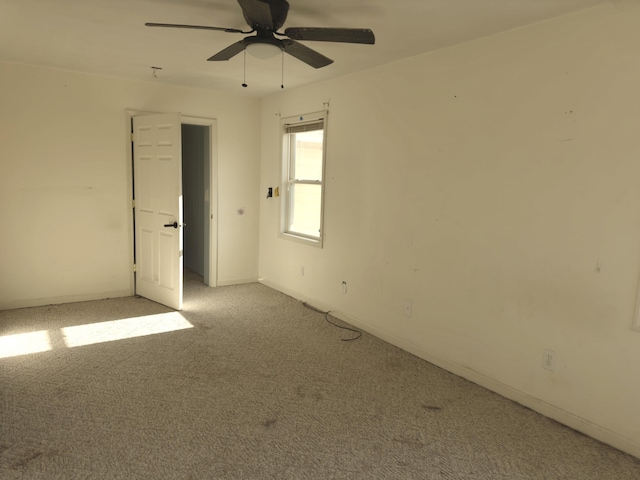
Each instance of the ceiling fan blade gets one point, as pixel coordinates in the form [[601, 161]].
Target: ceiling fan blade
[[344, 35], [257, 14], [197, 27], [229, 52], [305, 54]]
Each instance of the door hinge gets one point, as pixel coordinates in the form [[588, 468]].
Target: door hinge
[[132, 137], [133, 203], [134, 268]]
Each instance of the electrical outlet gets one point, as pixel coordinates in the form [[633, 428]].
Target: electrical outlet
[[344, 287], [549, 360], [408, 308]]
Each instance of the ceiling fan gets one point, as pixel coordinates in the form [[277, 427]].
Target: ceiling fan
[[265, 17]]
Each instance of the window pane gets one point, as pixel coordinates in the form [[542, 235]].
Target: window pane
[[305, 207], [307, 158]]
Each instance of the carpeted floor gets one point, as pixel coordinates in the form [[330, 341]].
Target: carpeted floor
[[258, 387]]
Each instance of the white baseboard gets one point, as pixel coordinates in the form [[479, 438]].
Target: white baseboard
[[38, 302], [227, 283], [593, 430]]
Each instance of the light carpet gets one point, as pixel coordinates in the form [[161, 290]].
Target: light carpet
[[248, 383]]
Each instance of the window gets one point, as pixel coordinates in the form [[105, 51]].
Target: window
[[303, 160]]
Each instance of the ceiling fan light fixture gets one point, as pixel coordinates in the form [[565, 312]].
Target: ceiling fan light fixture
[[263, 50]]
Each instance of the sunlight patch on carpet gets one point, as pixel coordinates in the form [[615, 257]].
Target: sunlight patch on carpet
[[24, 343], [126, 328]]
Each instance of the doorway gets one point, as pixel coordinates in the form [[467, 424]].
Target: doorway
[[195, 152], [199, 153], [197, 200], [195, 185]]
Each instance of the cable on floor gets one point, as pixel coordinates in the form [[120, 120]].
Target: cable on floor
[[326, 317]]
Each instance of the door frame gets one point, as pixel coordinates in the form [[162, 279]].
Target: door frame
[[212, 249]]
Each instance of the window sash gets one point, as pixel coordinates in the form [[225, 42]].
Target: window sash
[[305, 210], [294, 167]]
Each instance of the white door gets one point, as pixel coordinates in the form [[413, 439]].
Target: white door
[[157, 176]]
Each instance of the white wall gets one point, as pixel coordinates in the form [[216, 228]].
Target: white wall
[[494, 184], [65, 182]]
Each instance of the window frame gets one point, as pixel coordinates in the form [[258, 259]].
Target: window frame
[[288, 181]]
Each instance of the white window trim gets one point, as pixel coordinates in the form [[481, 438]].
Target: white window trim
[[284, 162]]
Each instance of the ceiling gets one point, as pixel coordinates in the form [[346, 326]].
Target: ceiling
[[108, 37]]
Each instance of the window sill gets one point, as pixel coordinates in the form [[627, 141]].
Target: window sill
[[303, 240]]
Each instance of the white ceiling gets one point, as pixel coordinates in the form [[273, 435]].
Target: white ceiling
[[108, 37]]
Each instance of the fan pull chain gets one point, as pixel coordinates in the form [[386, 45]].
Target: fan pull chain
[[244, 83], [282, 82]]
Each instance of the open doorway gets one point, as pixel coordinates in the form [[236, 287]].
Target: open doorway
[[155, 187], [199, 190], [195, 191]]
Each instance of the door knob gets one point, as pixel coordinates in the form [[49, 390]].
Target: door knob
[[174, 224]]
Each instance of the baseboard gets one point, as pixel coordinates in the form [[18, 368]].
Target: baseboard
[[38, 302], [227, 283], [564, 417]]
